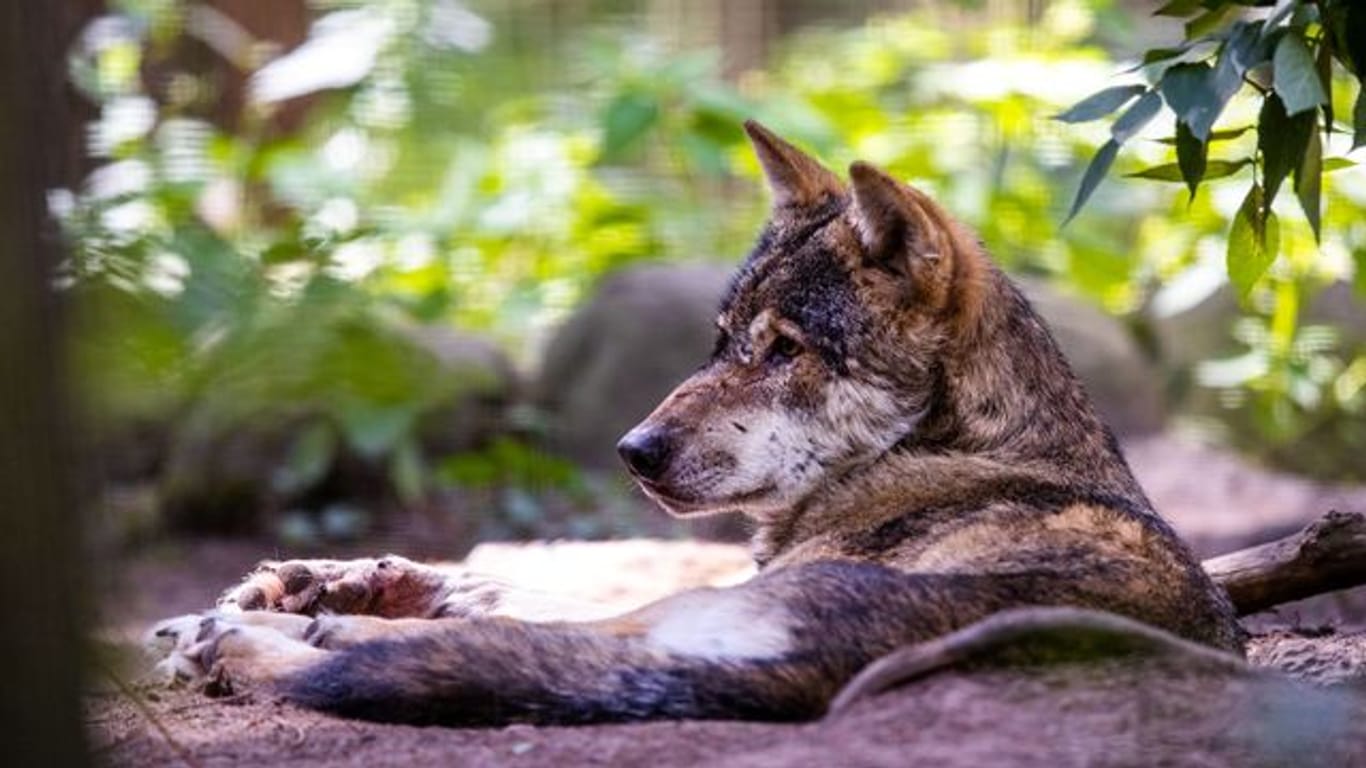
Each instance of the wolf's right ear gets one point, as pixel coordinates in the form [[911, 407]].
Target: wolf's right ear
[[894, 222], [795, 179], [903, 232]]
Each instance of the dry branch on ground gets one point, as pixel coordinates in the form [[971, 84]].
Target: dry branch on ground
[[1327, 555]]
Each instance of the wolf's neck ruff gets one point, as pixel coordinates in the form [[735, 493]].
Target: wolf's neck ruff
[[1006, 414]]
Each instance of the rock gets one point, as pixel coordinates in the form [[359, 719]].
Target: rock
[[488, 387], [643, 331]]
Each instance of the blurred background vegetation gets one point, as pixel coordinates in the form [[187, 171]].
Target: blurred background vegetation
[[356, 269]]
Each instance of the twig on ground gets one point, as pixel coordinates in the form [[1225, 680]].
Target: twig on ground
[[127, 690]]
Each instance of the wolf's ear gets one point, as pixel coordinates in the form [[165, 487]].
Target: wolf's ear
[[893, 221], [795, 179]]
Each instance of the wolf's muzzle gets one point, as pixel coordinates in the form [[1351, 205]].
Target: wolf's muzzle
[[646, 451]]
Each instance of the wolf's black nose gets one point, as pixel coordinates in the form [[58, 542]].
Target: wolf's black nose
[[646, 451]]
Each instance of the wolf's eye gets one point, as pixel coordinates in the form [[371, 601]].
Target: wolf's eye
[[784, 348]]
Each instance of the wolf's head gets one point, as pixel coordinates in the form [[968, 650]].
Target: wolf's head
[[829, 345]]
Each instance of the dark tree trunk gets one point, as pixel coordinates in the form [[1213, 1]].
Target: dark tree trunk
[[40, 584]]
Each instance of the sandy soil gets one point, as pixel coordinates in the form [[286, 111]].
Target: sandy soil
[[1157, 711]]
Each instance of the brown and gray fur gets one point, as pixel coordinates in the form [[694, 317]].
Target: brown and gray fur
[[913, 450]]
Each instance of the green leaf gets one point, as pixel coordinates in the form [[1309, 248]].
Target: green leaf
[[1191, 156], [475, 469], [1178, 8], [1155, 55], [1225, 135], [1337, 164], [1137, 116], [1100, 104], [1198, 93], [1359, 119], [1095, 172], [1214, 169], [1359, 274], [1243, 50], [1296, 80], [1252, 243], [407, 473], [1189, 91], [1277, 15], [1208, 21], [626, 120], [1282, 141], [1323, 65], [373, 430], [1309, 181], [309, 459], [704, 154], [285, 251]]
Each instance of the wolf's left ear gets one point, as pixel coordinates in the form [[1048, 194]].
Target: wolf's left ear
[[894, 222], [795, 178]]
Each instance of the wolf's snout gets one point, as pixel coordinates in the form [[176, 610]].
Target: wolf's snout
[[646, 451]]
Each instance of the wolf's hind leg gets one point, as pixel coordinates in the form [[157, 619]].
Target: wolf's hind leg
[[1029, 636]]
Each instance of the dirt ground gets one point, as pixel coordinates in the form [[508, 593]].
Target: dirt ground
[[1151, 711]]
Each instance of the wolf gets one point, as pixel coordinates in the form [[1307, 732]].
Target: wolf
[[921, 467]]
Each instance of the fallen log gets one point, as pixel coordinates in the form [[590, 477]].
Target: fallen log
[[1329, 554]]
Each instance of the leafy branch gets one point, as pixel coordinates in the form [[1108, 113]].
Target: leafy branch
[[1287, 57]]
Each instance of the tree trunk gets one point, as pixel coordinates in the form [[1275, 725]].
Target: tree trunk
[[40, 585]]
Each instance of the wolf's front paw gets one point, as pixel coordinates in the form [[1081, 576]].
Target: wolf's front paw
[[171, 642], [225, 651], [389, 586]]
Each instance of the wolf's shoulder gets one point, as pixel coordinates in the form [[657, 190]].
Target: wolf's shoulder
[[975, 516]]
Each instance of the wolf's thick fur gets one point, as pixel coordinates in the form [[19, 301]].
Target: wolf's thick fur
[[896, 420]]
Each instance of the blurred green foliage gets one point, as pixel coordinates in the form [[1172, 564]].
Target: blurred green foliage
[[1297, 62], [446, 165]]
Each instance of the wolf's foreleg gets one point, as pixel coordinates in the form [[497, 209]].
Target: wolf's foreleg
[[394, 587], [285, 613], [186, 646], [777, 648]]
